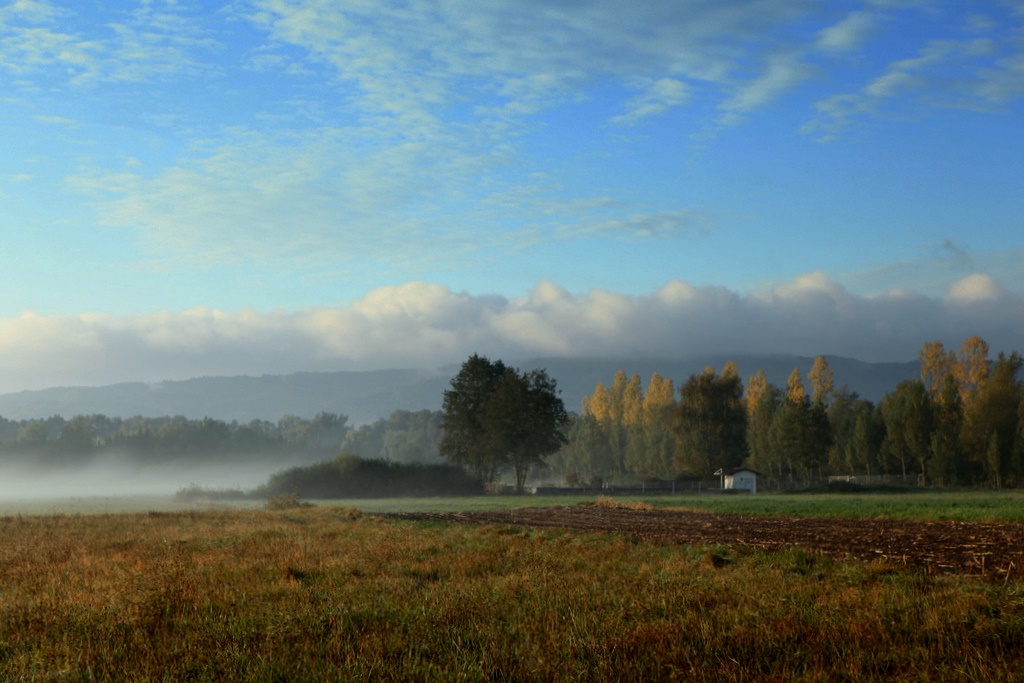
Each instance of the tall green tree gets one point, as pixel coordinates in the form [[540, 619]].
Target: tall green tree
[[466, 440], [865, 450], [842, 419], [711, 421], [497, 418], [77, 435], [909, 423], [524, 419], [659, 437], [991, 421], [947, 467], [759, 427], [800, 432]]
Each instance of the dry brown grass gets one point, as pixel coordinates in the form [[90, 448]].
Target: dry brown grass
[[609, 502], [322, 594]]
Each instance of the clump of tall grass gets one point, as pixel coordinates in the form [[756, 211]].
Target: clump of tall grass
[[194, 493], [287, 501], [609, 502]]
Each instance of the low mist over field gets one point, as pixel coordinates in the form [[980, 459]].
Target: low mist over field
[[122, 476]]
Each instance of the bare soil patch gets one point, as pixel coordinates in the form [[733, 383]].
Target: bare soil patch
[[992, 551]]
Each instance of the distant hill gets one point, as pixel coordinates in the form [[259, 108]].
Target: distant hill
[[368, 396]]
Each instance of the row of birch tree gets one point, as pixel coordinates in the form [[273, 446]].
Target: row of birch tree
[[960, 423]]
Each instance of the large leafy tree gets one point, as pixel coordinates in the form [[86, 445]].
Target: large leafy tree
[[762, 401], [991, 421], [711, 420], [800, 433], [659, 439], [909, 423], [524, 419], [496, 417], [466, 441], [947, 467]]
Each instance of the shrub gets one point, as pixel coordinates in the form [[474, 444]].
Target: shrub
[[609, 502], [349, 476], [287, 501]]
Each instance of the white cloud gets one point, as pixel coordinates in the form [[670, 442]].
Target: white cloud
[[780, 74], [976, 289], [57, 121], [260, 198], [978, 73], [658, 224], [54, 44], [336, 195], [848, 34], [529, 54], [421, 324], [938, 270], [658, 97]]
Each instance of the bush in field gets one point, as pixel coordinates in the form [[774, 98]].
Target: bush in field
[[287, 501], [194, 493], [350, 476]]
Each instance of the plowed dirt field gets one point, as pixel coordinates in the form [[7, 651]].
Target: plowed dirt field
[[992, 551]]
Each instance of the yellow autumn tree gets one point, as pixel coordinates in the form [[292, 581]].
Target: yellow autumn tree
[[730, 370], [596, 404], [658, 400], [970, 367], [616, 392], [936, 365], [795, 390], [823, 383], [659, 439], [757, 387], [632, 401]]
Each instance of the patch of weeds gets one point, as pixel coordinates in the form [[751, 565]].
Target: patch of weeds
[[609, 502], [715, 560], [287, 501], [806, 563]]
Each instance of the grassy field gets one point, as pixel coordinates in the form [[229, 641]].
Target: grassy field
[[965, 506], [961, 506], [331, 593]]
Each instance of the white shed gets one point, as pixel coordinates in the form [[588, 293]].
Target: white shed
[[741, 479]]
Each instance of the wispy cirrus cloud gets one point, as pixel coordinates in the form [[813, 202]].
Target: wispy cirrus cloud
[[325, 197], [781, 74], [849, 34], [151, 40], [973, 73], [424, 52], [396, 133], [656, 98]]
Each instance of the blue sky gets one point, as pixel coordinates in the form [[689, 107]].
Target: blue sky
[[275, 185]]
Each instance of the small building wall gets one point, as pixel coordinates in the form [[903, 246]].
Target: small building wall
[[744, 480]]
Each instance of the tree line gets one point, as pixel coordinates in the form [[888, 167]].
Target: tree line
[[961, 423], [403, 437]]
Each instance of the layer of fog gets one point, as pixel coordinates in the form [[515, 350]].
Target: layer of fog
[[425, 325], [118, 476]]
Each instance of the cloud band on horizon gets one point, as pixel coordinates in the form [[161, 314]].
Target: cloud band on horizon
[[419, 324]]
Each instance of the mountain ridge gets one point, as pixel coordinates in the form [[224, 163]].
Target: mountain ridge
[[365, 396]]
